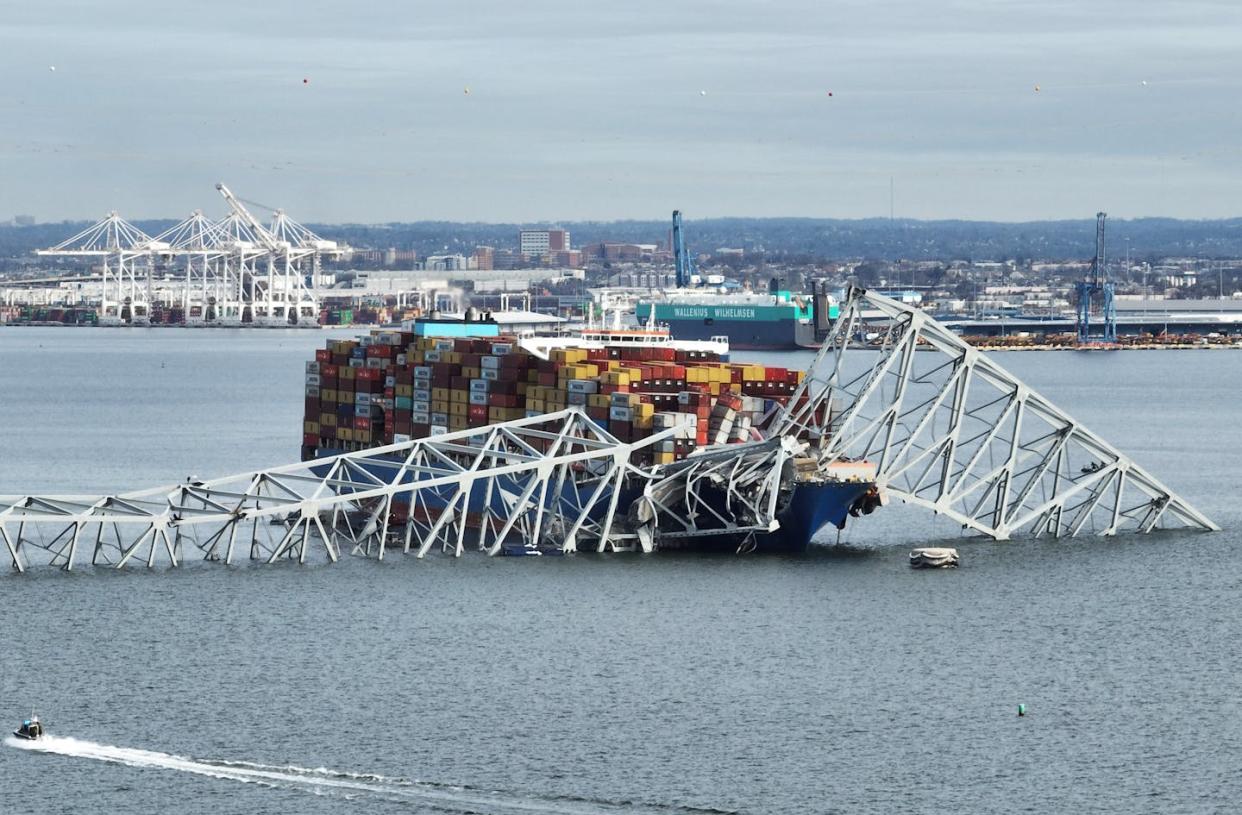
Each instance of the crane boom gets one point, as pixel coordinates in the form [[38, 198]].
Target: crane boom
[[683, 266], [1099, 273], [259, 229]]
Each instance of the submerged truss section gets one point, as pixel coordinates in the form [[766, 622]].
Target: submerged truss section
[[952, 431]]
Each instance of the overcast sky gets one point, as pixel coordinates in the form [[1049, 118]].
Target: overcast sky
[[585, 110]]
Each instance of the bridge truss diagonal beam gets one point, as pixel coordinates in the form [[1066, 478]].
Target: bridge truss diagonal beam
[[952, 431]]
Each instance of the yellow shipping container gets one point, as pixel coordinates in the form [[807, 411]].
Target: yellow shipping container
[[470, 371], [664, 458], [568, 356], [441, 393], [644, 411], [348, 372], [597, 400], [310, 427], [440, 405], [459, 398], [457, 423], [328, 395], [643, 422], [404, 390], [459, 409], [535, 404]]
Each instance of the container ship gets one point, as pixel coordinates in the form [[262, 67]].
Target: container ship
[[396, 386], [776, 321]]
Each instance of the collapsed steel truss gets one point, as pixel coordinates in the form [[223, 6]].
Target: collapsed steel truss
[[552, 483], [946, 427], [952, 431]]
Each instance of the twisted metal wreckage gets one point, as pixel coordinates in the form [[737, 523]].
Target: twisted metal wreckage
[[943, 425]]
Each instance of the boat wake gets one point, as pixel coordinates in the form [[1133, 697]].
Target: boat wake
[[351, 785]]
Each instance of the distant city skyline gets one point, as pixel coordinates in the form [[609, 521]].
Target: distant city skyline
[[547, 112]]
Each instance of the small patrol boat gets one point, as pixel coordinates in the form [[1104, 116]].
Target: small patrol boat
[[933, 558], [30, 730]]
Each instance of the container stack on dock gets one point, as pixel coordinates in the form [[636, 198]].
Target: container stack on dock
[[394, 386]]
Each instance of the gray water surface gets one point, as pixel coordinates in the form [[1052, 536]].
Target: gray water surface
[[841, 681]]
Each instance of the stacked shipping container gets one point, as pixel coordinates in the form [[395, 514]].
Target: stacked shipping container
[[393, 386]]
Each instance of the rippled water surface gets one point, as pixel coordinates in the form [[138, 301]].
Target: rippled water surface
[[837, 682]]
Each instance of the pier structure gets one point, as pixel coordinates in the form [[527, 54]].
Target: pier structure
[[230, 272], [945, 427]]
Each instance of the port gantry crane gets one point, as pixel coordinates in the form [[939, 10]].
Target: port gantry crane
[[682, 264], [234, 271], [946, 428], [1097, 283]]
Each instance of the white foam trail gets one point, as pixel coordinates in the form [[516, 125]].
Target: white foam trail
[[318, 779]]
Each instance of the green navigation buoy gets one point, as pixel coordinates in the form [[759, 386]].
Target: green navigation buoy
[[1021, 710]]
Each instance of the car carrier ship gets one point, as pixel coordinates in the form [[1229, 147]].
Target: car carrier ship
[[395, 386]]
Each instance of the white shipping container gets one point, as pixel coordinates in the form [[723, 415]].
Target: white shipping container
[[619, 414], [432, 356], [439, 429], [423, 371], [489, 362], [421, 418], [490, 374], [478, 397], [575, 398], [582, 386], [421, 407], [312, 367], [480, 386], [502, 348], [312, 390], [400, 438]]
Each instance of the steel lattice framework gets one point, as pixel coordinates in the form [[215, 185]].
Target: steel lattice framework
[[229, 272], [946, 427], [552, 482], [952, 431]]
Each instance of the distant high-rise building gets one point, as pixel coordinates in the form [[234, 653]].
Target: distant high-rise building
[[540, 242], [484, 258]]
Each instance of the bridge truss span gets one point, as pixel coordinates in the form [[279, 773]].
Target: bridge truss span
[[951, 431], [552, 483]]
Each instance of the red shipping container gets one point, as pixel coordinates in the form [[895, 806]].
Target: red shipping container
[[323, 355], [310, 439]]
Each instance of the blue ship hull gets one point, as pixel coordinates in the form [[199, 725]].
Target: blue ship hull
[[811, 508]]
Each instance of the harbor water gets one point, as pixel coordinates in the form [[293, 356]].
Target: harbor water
[[839, 681]]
